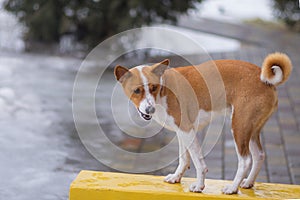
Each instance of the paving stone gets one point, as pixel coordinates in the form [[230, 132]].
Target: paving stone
[[296, 180], [230, 173], [274, 139], [131, 144], [292, 140], [280, 179], [149, 148], [262, 178], [214, 173]]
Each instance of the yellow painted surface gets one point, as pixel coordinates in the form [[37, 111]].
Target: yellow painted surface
[[91, 185]]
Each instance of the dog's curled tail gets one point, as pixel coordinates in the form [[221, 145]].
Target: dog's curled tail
[[276, 69]]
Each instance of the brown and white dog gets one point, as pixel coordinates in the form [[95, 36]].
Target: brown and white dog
[[184, 99]]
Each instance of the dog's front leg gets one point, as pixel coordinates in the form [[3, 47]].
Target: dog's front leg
[[184, 163], [192, 144]]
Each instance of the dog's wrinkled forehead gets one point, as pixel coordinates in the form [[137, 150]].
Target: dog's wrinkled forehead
[[139, 74], [142, 75], [135, 78]]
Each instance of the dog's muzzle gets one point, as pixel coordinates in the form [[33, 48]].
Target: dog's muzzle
[[149, 110]]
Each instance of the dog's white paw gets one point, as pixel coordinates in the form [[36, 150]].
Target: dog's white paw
[[173, 178], [196, 187], [245, 184], [228, 189]]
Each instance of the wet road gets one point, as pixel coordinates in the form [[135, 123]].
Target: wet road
[[40, 150]]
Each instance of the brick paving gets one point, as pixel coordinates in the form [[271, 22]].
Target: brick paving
[[281, 135]]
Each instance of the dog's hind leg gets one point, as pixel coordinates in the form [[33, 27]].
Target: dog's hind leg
[[184, 163], [241, 130], [256, 149], [258, 157]]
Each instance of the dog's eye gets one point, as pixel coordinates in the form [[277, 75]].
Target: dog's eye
[[137, 91], [154, 88]]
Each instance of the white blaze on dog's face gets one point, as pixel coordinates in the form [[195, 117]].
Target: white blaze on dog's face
[[142, 85]]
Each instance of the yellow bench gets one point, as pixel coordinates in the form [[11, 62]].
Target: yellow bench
[[91, 185]]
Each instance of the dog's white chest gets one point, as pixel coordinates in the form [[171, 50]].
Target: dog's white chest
[[162, 117]]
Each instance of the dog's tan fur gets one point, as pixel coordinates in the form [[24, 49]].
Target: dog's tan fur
[[277, 59], [247, 90]]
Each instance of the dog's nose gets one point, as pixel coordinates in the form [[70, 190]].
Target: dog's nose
[[150, 110]]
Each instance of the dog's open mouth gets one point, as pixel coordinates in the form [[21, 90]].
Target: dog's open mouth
[[145, 116]]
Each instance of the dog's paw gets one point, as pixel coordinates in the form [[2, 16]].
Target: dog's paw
[[196, 187], [228, 189], [173, 178], [246, 185]]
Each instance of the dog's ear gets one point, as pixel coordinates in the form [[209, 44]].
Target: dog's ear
[[161, 67], [121, 73]]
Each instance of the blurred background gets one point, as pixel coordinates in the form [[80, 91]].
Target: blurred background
[[73, 25], [43, 43]]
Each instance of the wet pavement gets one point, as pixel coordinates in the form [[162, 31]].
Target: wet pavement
[[41, 152]]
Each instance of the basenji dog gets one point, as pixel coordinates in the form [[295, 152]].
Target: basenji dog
[[184, 99]]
